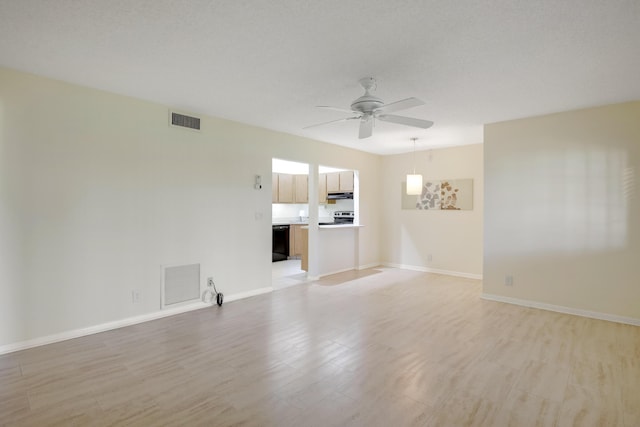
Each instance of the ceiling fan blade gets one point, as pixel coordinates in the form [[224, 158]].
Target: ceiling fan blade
[[332, 121], [409, 121], [366, 127], [343, 110], [400, 105]]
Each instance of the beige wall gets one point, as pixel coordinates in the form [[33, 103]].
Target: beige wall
[[97, 192], [562, 212], [452, 238]]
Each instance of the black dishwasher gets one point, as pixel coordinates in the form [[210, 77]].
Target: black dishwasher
[[280, 243]]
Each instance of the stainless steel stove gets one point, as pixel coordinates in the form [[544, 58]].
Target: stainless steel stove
[[343, 217]]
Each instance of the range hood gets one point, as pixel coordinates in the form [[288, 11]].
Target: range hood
[[340, 196]]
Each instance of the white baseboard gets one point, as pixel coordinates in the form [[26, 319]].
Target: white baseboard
[[562, 309], [103, 327], [433, 270], [248, 294], [365, 266]]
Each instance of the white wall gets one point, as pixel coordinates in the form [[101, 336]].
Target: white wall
[[562, 213], [289, 211], [12, 263], [452, 238], [98, 192]]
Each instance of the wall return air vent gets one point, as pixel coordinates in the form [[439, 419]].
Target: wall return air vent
[[184, 121], [180, 284]]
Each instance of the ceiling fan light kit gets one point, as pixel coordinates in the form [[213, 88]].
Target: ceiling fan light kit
[[368, 108]]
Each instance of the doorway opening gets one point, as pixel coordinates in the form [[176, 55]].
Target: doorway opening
[[289, 213], [290, 210]]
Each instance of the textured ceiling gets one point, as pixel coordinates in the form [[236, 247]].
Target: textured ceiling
[[269, 63]]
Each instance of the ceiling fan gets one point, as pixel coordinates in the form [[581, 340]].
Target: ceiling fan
[[368, 108]]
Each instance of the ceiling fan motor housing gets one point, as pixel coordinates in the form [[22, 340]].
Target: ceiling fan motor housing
[[367, 103]]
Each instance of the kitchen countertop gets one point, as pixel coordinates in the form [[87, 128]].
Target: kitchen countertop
[[337, 226], [296, 221], [276, 222], [324, 224]]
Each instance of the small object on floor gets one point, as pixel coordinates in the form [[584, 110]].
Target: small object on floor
[[207, 295]]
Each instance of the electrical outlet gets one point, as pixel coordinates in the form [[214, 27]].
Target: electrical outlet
[[508, 280], [429, 257], [135, 296], [210, 281]]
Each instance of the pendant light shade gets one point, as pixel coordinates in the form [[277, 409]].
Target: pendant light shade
[[414, 184], [414, 181]]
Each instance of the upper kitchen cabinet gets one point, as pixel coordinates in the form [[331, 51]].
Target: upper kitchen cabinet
[[333, 182], [292, 183], [322, 188], [301, 184], [339, 181], [288, 188], [346, 181], [285, 188], [274, 188]]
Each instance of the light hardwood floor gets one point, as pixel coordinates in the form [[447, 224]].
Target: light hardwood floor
[[287, 273], [380, 347]]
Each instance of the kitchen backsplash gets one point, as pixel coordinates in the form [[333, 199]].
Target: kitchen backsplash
[[289, 210]]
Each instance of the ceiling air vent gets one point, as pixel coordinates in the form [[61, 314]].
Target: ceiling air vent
[[184, 121]]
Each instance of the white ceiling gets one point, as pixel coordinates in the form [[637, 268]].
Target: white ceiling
[[268, 63]]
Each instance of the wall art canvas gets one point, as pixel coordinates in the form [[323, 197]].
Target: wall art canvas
[[445, 194]]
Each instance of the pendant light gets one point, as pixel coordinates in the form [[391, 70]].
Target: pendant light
[[414, 181]]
